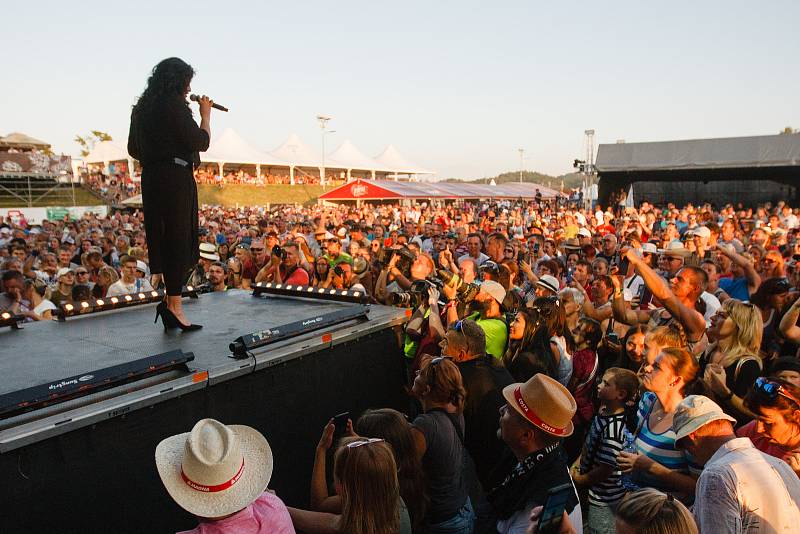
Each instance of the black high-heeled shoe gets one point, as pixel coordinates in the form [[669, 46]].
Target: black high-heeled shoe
[[171, 321], [168, 320]]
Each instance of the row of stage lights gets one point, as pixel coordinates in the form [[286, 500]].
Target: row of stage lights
[[289, 290], [70, 309]]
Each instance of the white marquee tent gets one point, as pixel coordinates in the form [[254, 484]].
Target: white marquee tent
[[231, 148], [391, 158], [106, 152], [349, 158]]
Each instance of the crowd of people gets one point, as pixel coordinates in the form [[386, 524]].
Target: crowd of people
[[114, 187], [628, 370], [210, 175]]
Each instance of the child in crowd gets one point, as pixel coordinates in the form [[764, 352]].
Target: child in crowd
[[598, 466], [585, 363]]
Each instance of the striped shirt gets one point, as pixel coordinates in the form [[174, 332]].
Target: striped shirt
[[658, 447], [603, 443]]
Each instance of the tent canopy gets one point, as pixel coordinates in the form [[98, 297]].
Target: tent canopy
[[347, 156], [731, 152], [386, 189], [22, 141], [231, 148], [107, 151], [297, 153], [735, 169], [391, 158]]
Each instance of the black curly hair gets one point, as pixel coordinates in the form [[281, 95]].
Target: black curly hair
[[169, 78]]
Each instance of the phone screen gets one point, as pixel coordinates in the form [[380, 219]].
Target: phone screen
[[554, 507], [340, 422]]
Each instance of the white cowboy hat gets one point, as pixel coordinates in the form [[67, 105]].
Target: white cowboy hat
[[215, 470]]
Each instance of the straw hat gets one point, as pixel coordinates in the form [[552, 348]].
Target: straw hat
[[209, 252], [572, 244], [676, 249], [215, 470], [545, 403], [548, 282]]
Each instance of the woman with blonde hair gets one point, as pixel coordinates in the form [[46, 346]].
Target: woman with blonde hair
[[655, 461], [365, 476], [649, 511], [732, 363], [439, 442], [105, 277]]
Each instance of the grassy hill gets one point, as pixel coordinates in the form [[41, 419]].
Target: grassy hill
[[553, 182], [249, 195], [60, 198]]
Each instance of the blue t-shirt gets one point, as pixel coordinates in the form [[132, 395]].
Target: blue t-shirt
[[736, 288]]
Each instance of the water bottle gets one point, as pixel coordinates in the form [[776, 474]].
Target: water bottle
[[628, 445]]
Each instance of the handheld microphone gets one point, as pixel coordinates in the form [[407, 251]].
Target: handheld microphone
[[195, 98]]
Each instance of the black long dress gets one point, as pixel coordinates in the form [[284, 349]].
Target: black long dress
[[158, 135]]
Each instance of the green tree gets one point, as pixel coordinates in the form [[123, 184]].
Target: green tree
[[88, 141]]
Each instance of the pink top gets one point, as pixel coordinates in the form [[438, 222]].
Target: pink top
[[266, 515], [762, 442]]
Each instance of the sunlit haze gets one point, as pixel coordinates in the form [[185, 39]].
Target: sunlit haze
[[456, 87]]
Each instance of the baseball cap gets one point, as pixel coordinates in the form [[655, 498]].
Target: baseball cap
[[64, 270], [494, 289], [694, 412], [584, 232], [649, 248], [702, 231]]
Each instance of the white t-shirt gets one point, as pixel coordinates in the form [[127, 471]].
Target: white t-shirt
[[43, 307], [121, 288]]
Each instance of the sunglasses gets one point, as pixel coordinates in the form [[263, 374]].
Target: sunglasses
[[361, 442], [772, 389], [256, 250]]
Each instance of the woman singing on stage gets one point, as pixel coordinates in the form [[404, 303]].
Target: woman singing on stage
[[166, 140]]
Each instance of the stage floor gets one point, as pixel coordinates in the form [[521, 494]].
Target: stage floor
[[50, 350]]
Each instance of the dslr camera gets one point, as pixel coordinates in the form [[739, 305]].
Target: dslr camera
[[279, 252], [416, 295], [464, 292]]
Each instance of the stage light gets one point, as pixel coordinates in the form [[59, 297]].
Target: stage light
[[11, 320], [97, 305], [242, 345], [289, 290]]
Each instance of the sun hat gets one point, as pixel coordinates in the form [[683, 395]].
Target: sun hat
[[545, 403], [64, 270], [548, 282], [695, 411], [572, 244], [209, 252], [675, 249], [494, 289], [215, 469], [141, 266], [329, 236]]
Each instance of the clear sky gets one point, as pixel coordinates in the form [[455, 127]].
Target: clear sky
[[456, 86]]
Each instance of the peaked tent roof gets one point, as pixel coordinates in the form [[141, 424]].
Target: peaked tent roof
[[231, 148], [731, 152], [390, 158], [107, 151], [387, 189], [297, 153], [23, 140], [347, 156]]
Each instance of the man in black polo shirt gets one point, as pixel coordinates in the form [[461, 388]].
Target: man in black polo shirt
[[484, 380]]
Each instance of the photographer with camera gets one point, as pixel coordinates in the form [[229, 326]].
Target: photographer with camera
[[489, 316], [419, 268], [287, 261]]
